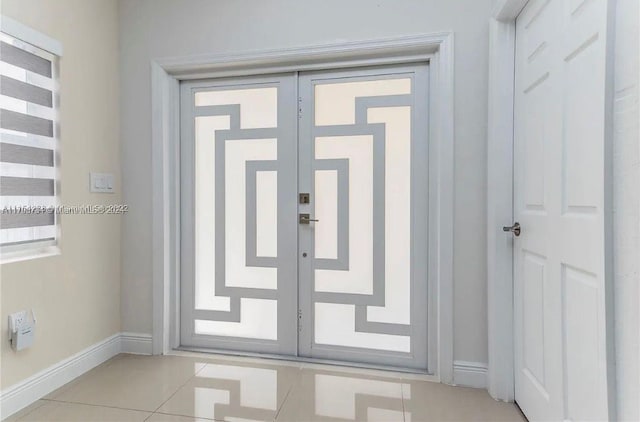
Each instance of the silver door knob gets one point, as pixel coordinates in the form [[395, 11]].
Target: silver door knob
[[305, 219], [515, 229]]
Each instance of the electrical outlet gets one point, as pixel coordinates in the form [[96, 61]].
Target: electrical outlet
[[22, 328], [16, 320]]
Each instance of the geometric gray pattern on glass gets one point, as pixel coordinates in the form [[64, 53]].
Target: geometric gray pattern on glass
[[363, 104], [235, 134], [252, 168], [377, 297], [222, 137], [341, 166], [376, 130]]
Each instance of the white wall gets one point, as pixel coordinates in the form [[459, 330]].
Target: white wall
[[76, 295], [160, 28], [627, 210]]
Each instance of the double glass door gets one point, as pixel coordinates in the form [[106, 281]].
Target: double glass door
[[304, 215]]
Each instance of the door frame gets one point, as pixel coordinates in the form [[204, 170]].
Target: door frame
[[166, 74], [500, 184], [502, 44]]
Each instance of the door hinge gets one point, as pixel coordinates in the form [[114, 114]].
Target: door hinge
[[299, 107], [299, 320]]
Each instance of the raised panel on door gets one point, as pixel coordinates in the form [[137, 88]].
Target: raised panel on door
[[537, 155], [238, 189], [363, 159], [560, 159]]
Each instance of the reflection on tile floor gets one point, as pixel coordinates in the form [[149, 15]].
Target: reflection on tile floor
[[195, 388]]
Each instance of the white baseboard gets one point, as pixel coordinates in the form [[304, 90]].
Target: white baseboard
[[470, 374], [22, 394], [136, 343]]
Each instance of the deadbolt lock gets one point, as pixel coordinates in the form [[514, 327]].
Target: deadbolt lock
[[303, 198]]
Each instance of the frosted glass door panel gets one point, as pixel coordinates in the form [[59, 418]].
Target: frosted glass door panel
[[359, 153], [237, 275], [397, 122], [363, 135], [334, 103], [258, 106], [326, 189], [237, 174], [205, 297]]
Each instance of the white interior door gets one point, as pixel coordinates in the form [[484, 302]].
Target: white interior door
[[561, 264]]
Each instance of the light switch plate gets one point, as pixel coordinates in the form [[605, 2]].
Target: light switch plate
[[101, 182]]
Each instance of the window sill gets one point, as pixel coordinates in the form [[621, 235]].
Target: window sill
[[28, 254]]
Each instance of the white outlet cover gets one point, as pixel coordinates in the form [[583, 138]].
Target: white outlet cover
[[16, 319]]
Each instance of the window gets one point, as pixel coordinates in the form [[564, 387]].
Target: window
[[28, 145]]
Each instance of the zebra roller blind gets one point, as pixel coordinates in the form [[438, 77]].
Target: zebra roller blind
[[28, 145]]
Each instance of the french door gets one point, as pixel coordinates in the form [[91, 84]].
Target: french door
[[304, 215], [238, 215]]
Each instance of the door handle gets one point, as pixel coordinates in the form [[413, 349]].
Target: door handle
[[515, 229], [305, 219]]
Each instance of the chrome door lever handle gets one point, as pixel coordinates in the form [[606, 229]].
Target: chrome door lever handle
[[305, 219], [515, 229]]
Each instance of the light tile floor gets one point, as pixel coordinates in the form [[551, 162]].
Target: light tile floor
[[221, 388]]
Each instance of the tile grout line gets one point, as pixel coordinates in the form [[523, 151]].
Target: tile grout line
[[151, 412], [180, 386], [178, 389], [404, 415], [286, 397], [96, 405]]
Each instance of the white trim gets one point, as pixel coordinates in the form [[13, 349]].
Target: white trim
[[30, 35], [507, 10], [403, 49], [470, 374], [165, 259], [22, 394], [136, 343], [29, 251], [165, 74], [502, 30]]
